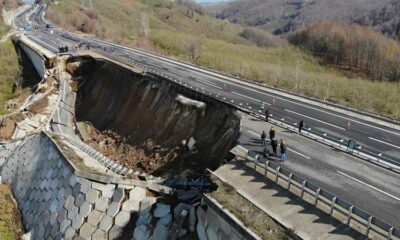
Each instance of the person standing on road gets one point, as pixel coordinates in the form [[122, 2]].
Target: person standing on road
[[274, 144], [301, 125], [267, 113], [271, 133], [283, 151], [263, 138]]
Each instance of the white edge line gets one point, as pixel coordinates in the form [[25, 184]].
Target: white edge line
[[332, 125], [304, 156], [370, 186], [384, 142]]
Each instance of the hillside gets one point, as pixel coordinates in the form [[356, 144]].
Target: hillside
[[282, 16], [385, 19], [187, 34]]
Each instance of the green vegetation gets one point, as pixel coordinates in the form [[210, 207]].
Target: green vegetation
[[251, 216], [10, 222], [9, 72], [187, 34]]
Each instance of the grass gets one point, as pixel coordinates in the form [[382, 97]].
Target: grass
[[9, 70], [10, 222], [251, 216], [171, 30]]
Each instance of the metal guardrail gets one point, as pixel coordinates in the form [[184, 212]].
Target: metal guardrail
[[329, 139], [337, 142], [108, 163], [336, 204]]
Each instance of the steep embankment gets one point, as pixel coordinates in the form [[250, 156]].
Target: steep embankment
[[142, 120]]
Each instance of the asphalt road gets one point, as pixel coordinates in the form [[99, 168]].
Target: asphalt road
[[383, 139], [369, 187], [362, 184]]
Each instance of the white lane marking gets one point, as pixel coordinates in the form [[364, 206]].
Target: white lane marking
[[332, 125], [225, 79], [300, 154], [316, 109], [254, 133], [211, 85], [384, 142], [257, 100], [370, 186]]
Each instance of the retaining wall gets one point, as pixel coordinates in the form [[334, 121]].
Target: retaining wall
[[36, 59], [56, 204]]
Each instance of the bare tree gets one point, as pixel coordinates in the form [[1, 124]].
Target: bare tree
[[193, 46]]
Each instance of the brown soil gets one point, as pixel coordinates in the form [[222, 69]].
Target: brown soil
[[8, 125], [40, 106], [10, 218], [7, 128], [147, 158]]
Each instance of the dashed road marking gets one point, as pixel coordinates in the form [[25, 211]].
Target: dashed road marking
[[332, 125], [300, 154], [368, 185]]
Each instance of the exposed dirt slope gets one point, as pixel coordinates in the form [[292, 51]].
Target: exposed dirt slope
[[151, 116]]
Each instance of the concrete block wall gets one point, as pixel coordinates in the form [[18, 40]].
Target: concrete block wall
[[6, 149], [57, 204], [215, 222]]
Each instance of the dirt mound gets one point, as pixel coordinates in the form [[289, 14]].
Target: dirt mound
[[8, 125], [146, 158]]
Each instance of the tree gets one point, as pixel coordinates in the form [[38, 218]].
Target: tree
[[193, 46]]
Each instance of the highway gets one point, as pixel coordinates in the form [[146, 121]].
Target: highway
[[382, 139], [365, 185]]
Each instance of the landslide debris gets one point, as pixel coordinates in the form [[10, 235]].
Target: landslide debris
[[147, 123]]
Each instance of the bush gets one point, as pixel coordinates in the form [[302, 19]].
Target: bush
[[262, 38]]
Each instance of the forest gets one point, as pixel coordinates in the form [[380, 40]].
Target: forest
[[353, 47]]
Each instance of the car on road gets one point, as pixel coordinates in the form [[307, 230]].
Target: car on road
[[28, 27]]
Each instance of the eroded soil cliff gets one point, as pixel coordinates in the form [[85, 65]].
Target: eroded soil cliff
[[141, 120]]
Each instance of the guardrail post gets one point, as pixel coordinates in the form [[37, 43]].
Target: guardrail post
[[289, 181], [255, 161], [303, 186], [277, 174], [266, 167], [349, 215], [317, 196], [332, 205], [368, 226], [390, 232]]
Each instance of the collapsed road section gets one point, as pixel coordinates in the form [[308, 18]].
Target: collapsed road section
[[146, 123], [65, 189]]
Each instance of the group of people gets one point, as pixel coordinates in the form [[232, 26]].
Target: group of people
[[274, 145], [64, 49]]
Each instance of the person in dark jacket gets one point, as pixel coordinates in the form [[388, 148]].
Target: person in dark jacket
[[274, 144], [301, 125], [271, 133], [267, 113], [263, 138], [283, 151]]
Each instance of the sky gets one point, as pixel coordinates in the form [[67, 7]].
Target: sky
[[208, 1]]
